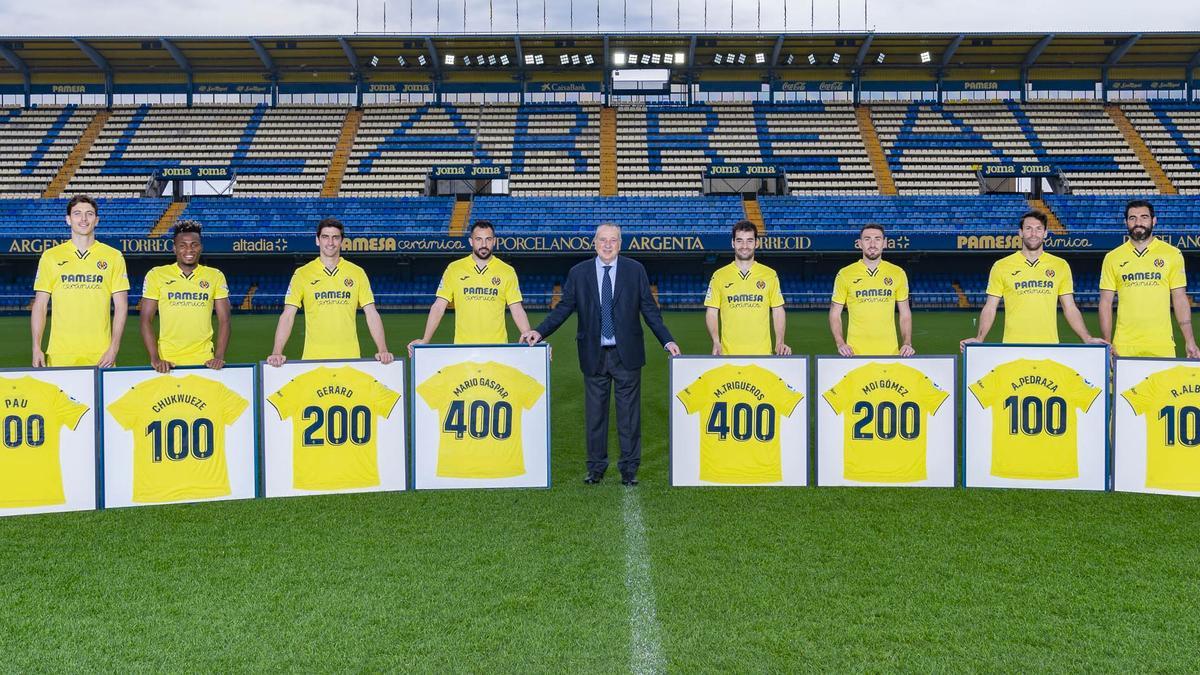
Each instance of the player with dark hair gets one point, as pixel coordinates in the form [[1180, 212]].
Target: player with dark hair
[[479, 287], [330, 289], [79, 278], [873, 291], [744, 301], [185, 294], [1148, 274], [1032, 283]]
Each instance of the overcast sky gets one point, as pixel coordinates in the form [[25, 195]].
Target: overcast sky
[[310, 17]]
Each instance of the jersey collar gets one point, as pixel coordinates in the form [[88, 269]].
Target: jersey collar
[[330, 272], [1139, 254], [870, 272], [748, 273], [185, 275]]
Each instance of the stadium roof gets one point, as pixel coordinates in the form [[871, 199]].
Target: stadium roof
[[701, 53]]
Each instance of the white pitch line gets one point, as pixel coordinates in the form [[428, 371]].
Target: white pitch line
[[645, 645]]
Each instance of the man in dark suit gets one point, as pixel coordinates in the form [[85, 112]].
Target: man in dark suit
[[609, 292]]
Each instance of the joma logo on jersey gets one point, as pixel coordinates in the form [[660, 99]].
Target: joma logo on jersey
[[480, 290], [82, 278], [1036, 283], [745, 297], [331, 295], [187, 295], [1142, 276], [873, 293]]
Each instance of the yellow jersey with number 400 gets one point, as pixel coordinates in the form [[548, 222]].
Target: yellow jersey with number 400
[[178, 426], [335, 439], [1034, 421], [81, 285], [1170, 402], [480, 406], [31, 421], [739, 409], [185, 311]]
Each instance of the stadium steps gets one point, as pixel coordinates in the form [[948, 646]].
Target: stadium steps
[[963, 303], [754, 212], [248, 301], [460, 217], [608, 152], [67, 171], [341, 153], [1134, 139], [1056, 226], [167, 220], [879, 165]]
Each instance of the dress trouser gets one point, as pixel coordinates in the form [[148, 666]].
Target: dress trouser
[[628, 386]]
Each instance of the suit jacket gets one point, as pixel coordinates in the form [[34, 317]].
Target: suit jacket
[[631, 296]]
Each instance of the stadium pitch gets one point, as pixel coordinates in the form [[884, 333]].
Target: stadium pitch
[[606, 578]]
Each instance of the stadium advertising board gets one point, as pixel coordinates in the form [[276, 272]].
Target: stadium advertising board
[[1157, 437], [740, 170], [48, 422], [813, 85], [233, 88], [466, 171], [559, 87], [398, 88], [332, 427], [739, 420], [186, 436], [193, 173], [886, 421], [1017, 170], [731, 85], [480, 416], [980, 85], [1144, 85], [1035, 416]]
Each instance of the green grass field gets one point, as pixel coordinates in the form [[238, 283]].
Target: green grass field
[[605, 578]]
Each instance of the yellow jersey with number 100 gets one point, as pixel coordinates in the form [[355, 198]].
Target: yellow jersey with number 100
[[1170, 402], [33, 415]]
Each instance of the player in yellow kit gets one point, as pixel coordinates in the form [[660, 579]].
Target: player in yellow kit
[[1147, 273], [79, 278], [744, 302], [331, 290], [1032, 284], [479, 286], [873, 291], [185, 295]]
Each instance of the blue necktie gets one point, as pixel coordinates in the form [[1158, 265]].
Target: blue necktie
[[606, 317]]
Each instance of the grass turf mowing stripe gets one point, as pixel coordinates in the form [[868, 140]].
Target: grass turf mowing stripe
[[645, 645]]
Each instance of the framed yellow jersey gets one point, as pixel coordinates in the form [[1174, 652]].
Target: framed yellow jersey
[[32, 418], [330, 299], [185, 311], [335, 413], [745, 300], [1169, 400], [739, 408], [480, 406], [1143, 281], [1030, 290], [479, 296], [870, 297], [81, 285], [179, 429]]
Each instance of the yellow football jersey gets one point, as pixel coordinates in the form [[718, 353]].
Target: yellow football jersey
[[479, 296], [1143, 283], [739, 408], [330, 300], [185, 311], [745, 301], [1030, 291], [885, 407], [81, 285], [31, 421], [178, 426], [870, 297], [479, 408], [334, 441], [1170, 402], [1033, 418]]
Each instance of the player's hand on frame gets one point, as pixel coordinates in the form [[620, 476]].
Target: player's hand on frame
[[1193, 352], [845, 350], [716, 350], [672, 349], [418, 341], [385, 357], [276, 360], [962, 345], [214, 363], [907, 350], [531, 337], [1095, 341], [108, 359], [162, 365], [783, 350], [39, 358]]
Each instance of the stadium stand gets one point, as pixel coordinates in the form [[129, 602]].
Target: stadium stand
[[1177, 214], [34, 143], [274, 151], [898, 215], [664, 149], [1171, 129], [288, 216], [44, 217], [675, 215]]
